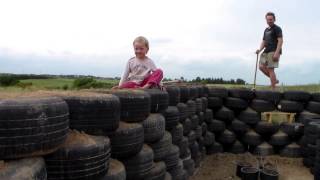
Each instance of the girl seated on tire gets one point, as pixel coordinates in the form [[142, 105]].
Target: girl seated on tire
[[140, 71]]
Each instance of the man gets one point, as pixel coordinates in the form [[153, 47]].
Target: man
[[272, 46]]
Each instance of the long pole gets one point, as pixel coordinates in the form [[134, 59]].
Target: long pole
[[255, 73]]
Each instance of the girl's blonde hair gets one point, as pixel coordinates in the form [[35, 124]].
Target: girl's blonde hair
[[143, 40]]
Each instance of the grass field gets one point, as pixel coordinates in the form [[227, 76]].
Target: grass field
[[60, 83]]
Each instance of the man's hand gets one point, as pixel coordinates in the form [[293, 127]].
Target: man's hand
[[257, 51], [276, 57]]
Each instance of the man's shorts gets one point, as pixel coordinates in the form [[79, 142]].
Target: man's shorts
[[267, 59]]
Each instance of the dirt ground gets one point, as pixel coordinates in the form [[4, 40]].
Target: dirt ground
[[222, 167]]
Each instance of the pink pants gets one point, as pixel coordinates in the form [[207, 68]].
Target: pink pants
[[154, 79]]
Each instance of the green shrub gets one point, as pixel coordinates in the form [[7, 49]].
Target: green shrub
[[86, 83], [8, 80], [24, 85]]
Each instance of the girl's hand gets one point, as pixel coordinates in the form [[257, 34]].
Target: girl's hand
[[115, 87]]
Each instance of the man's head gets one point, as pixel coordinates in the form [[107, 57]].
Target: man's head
[[270, 18], [141, 47]]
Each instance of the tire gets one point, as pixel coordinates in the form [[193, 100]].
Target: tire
[[154, 127], [249, 116], [193, 92], [217, 92], [93, 113], [139, 165], [194, 149], [290, 106], [159, 100], [135, 105], [32, 126], [236, 148], [171, 115], [204, 127], [293, 130], [198, 132], [178, 173], [242, 93], [187, 126], [24, 169], [215, 102], [183, 111], [214, 148], [236, 104], [305, 117], [272, 96], [199, 105], [192, 137], [184, 94], [184, 147], [201, 91], [315, 97], [168, 176], [76, 157], [262, 105], [161, 148], [226, 138], [264, 149], [216, 126], [189, 165], [252, 138], [173, 157], [174, 95], [279, 139], [239, 127], [201, 117], [127, 140], [194, 121], [292, 150], [208, 116], [300, 96], [116, 171], [177, 133], [158, 172], [265, 128], [313, 107], [191, 107], [225, 115], [204, 103]]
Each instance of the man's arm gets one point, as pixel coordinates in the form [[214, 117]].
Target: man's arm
[[276, 55]]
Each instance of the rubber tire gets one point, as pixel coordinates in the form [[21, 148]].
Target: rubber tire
[[249, 116], [24, 169], [216, 126], [262, 105], [239, 127], [215, 102], [174, 95], [177, 133], [139, 165], [127, 140], [158, 172], [272, 96], [193, 92], [184, 93], [191, 107], [242, 93], [173, 157], [226, 138], [32, 126], [194, 121], [305, 117], [300, 96], [135, 105], [183, 111], [292, 150], [279, 139], [159, 100], [172, 117], [252, 138], [208, 116], [217, 92], [116, 171], [236, 148], [293, 130], [290, 106], [187, 126], [264, 149], [214, 148], [313, 107], [224, 114], [236, 104], [161, 148], [265, 128], [154, 127]]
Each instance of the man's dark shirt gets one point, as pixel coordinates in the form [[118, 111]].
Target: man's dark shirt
[[270, 36]]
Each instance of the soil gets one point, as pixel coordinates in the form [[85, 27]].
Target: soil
[[222, 167], [75, 137]]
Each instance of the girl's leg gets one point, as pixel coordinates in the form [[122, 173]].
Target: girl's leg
[[153, 79], [129, 85]]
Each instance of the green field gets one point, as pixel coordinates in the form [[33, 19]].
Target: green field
[[61, 83]]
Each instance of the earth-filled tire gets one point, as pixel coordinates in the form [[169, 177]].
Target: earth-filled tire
[[184, 93], [315, 97], [177, 172], [187, 126], [263, 149], [279, 139], [191, 107], [260, 105], [127, 140], [139, 165], [292, 150], [94, 113], [174, 95], [183, 147], [177, 133], [313, 107], [204, 103], [239, 127], [268, 95], [173, 157], [216, 126], [290, 106], [161, 148], [215, 102], [172, 117], [236, 148], [154, 127], [227, 137], [242, 93], [24, 169], [252, 138], [158, 171], [300, 96], [116, 171], [236, 104], [305, 117], [224, 114], [249, 116], [199, 105], [194, 121], [266, 128], [183, 111], [189, 165], [32, 126], [159, 100], [135, 105], [193, 92], [293, 130], [214, 148], [81, 156], [217, 92], [208, 115]]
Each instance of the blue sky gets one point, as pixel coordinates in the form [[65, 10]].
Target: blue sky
[[206, 38]]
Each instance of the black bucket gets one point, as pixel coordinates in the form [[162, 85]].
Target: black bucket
[[241, 165], [269, 174], [249, 173]]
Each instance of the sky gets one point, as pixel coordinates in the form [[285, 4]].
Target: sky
[[206, 38]]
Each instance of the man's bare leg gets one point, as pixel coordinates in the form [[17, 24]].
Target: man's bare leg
[[264, 70], [273, 78]]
